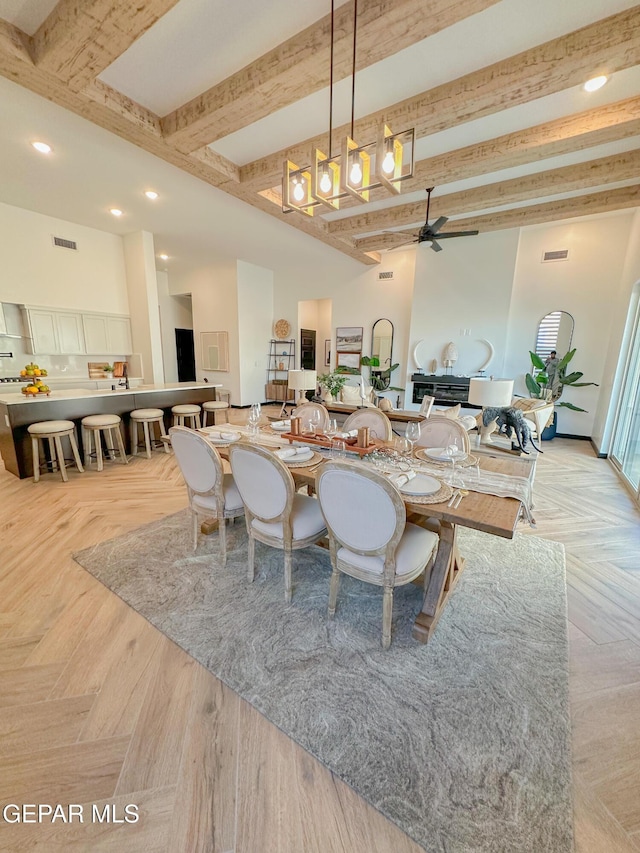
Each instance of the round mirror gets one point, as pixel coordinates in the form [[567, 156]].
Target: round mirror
[[382, 342], [555, 332]]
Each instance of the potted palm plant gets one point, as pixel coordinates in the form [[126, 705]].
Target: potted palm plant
[[547, 380]]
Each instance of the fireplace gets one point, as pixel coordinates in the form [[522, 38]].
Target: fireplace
[[446, 389]]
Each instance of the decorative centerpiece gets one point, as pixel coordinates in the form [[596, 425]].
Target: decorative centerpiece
[[333, 383], [36, 386]]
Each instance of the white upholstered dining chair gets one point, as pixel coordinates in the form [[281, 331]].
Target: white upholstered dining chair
[[275, 513], [212, 493], [369, 536], [306, 409], [438, 431], [375, 419]]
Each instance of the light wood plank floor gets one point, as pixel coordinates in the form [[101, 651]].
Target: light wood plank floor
[[96, 706]]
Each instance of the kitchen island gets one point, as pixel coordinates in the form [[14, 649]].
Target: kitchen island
[[17, 412]]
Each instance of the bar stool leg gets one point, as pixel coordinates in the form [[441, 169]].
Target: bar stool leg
[[60, 454], [147, 440], [111, 444], [86, 442], [98, 443], [35, 452], [52, 454], [133, 430], [197, 420], [120, 442], [164, 433], [75, 451]]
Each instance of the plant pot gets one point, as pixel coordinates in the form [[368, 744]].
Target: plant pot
[[327, 397], [549, 432]]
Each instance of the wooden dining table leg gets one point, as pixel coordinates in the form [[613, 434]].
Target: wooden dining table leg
[[444, 575]]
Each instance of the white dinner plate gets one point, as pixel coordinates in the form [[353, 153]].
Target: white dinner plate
[[441, 455], [421, 484]]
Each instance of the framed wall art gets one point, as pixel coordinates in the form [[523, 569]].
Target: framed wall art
[[327, 353], [350, 360], [349, 339]]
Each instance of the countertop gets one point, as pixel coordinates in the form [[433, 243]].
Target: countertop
[[17, 397]]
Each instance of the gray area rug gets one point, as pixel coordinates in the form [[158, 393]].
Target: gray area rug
[[463, 743]]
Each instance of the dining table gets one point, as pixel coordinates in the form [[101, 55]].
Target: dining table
[[495, 514]]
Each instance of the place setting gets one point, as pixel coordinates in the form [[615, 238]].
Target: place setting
[[221, 437]]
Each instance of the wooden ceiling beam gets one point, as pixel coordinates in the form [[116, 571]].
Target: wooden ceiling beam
[[593, 173], [77, 41], [606, 46], [519, 217], [300, 66]]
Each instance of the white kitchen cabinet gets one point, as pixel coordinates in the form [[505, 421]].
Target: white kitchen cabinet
[[106, 334], [55, 331]]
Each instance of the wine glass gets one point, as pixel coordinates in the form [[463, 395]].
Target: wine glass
[[332, 427], [254, 421], [338, 449], [412, 433], [454, 448], [314, 422]]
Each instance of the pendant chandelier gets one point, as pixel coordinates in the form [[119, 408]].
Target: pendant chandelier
[[357, 169]]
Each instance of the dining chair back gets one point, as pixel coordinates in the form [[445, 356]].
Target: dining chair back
[[306, 409], [375, 419], [212, 493], [369, 536], [438, 431], [275, 513]]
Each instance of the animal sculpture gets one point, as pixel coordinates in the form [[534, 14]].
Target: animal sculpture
[[510, 421]]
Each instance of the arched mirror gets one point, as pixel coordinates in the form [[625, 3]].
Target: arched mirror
[[555, 332], [382, 342]]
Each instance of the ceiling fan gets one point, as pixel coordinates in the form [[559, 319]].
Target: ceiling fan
[[429, 233]]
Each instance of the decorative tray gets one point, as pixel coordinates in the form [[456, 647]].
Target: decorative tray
[[325, 441]]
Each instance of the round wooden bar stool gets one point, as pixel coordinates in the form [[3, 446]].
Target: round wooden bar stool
[[214, 406], [184, 411], [146, 418], [93, 425], [54, 431]]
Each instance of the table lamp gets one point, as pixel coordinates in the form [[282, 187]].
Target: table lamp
[[490, 393], [301, 381]]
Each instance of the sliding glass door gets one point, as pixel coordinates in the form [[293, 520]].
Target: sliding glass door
[[625, 450]]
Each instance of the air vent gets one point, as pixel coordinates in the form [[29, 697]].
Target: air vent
[[560, 255], [61, 243], [385, 276]]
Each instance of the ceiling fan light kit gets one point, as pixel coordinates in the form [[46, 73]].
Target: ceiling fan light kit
[[358, 169]]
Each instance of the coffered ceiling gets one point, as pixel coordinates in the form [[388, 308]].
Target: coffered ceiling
[[227, 91]]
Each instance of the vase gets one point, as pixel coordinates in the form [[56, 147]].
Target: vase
[[327, 397]]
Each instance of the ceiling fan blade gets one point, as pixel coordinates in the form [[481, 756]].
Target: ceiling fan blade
[[400, 246], [457, 234], [436, 246], [437, 225]]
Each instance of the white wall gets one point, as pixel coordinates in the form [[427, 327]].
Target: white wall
[[142, 287], [175, 313], [589, 286], [467, 286], [37, 273], [215, 309], [255, 323]]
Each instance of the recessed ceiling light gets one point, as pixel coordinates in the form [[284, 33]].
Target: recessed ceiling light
[[151, 194], [164, 257], [595, 83], [42, 147], [115, 211]]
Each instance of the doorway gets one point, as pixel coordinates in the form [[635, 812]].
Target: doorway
[[185, 355], [308, 349], [625, 451]]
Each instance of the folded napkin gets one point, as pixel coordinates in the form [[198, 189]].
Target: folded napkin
[[351, 433], [292, 452], [400, 480], [222, 435], [278, 424], [452, 450]]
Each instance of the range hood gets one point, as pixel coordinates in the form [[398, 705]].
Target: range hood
[[10, 321]]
